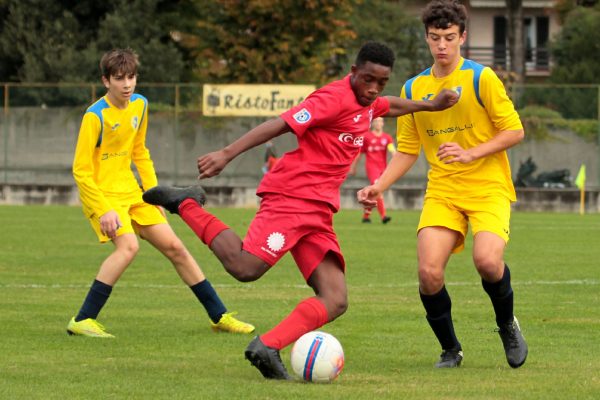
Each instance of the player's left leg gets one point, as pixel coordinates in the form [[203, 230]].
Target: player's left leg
[[488, 250], [163, 238], [330, 301], [490, 228]]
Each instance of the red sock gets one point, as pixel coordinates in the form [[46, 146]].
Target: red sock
[[308, 315], [205, 225], [366, 213], [381, 207]]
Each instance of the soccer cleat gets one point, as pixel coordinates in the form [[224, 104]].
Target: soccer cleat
[[87, 327], [366, 220], [514, 343], [171, 197], [450, 358], [266, 359], [386, 219], [228, 323]]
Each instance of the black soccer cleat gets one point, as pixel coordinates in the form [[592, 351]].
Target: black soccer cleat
[[266, 359], [171, 197], [386, 219], [450, 358], [366, 220], [514, 343]]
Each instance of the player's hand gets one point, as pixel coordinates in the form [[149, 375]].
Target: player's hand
[[445, 99], [368, 196], [451, 152], [110, 223], [211, 164]]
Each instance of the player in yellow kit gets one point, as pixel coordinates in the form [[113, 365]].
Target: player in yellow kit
[[111, 137], [469, 181]]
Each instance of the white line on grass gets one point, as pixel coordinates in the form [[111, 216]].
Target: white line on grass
[[580, 282]]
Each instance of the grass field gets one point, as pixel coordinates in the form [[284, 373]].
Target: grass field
[[165, 349]]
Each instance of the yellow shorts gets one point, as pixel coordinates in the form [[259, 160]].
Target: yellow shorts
[[490, 214], [132, 213]]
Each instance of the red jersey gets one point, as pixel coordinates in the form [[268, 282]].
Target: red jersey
[[329, 125], [375, 149]]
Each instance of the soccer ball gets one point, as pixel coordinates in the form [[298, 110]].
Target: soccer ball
[[317, 357]]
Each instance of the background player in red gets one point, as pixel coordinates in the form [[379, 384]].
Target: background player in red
[[376, 145], [299, 196]]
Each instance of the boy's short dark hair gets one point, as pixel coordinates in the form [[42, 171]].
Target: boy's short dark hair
[[119, 62], [377, 53], [441, 14]]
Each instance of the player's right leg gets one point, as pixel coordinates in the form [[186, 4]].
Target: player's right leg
[[434, 247], [224, 242], [85, 323]]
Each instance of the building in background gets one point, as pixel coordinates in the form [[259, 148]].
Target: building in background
[[487, 38]]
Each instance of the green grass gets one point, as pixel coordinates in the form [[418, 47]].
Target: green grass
[[166, 350]]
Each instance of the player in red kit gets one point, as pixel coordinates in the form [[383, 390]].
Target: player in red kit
[[375, 147], [299, 196]]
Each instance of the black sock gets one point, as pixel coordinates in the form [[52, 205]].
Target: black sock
[[209, 299], [95, 300], [501, 294], [438, 307]]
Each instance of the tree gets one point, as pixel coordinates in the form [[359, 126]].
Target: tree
[[269, 41], [516, 39], [575, 48], [62, 41], [386, 21]]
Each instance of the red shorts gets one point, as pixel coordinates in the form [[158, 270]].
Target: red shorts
[[373, 174], [303, 227]]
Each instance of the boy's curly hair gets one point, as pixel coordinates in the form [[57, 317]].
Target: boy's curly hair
[[441, 14]]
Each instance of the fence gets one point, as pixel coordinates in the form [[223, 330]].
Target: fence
[[40, 123]]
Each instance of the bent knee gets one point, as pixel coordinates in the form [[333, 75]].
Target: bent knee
[[244, 275], [431, 279], [490, 268], [130, 250], [336, 307], [176, 251]]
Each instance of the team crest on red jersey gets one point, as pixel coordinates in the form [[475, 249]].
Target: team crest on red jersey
[[302, 116]]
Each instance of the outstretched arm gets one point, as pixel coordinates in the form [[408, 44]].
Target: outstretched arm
[[212, 164], [399, 106]]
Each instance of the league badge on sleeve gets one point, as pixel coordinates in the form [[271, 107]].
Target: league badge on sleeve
[[302, 116]]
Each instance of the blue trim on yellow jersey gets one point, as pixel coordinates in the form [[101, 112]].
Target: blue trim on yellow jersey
[[477, 70], [408, 84], [137, 96], [96, 109]]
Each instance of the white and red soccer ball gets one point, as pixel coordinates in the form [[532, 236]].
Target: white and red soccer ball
[[317, 357]]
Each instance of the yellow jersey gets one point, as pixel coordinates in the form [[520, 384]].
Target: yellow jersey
[[109, 140], [482, 111]]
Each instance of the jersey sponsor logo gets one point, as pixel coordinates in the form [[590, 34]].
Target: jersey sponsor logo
[[115, 126], [426, 98], [450, 129], [302, 116], [134, 122], [357, 118], [348, 138], [106, 156]]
